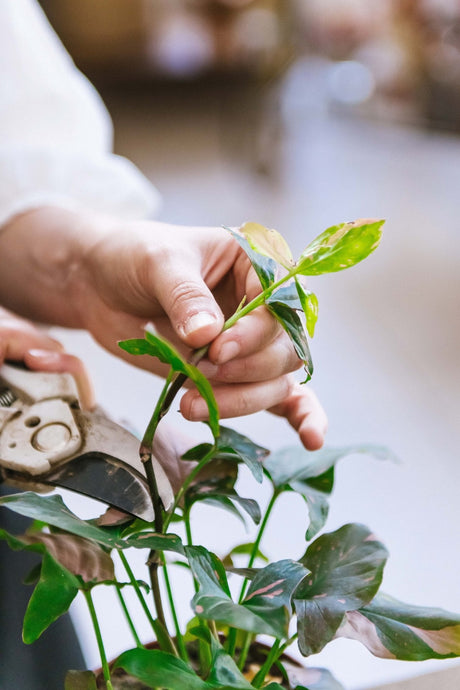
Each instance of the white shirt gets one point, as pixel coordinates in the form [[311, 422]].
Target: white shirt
[[55, 132]]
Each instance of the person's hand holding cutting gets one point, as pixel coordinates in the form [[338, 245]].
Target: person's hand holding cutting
[[112, 278]]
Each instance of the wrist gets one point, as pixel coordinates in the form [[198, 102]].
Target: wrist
[[41, 252]]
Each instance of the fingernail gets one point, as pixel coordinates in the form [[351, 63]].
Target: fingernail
[[227, 352], [45, 355], [197, 321], [208, 369], [198, 409]]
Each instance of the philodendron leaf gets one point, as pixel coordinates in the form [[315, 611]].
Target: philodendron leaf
[[53, 511], [346, 571], [223, 670], [292, 324], [227, 498], [156, 346], [80, 680], [233, 447], [156, 668], [264, 609], [341, 246], [394, 630], [263, 266], [309, 302], [269, 243], [78, 555], [311, 475], [311, 678]]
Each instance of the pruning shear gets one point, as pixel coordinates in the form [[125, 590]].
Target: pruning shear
[[47, 440]]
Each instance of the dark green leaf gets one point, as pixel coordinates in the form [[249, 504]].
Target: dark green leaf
[[55, 590], [220, 491], [346, 571], [392, 629], [160, 669], [80, 680], [232, 443], [288, 295], [263, 266], [157, 542], [290, 321], [265, 607], [53, 511], [309, 303], [197, 453], [158, 347], [224, 671], [340, 246]]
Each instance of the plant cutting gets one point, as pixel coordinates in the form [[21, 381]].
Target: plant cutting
[[329, 590]]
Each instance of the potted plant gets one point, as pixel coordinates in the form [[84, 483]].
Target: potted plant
[[330, 590]]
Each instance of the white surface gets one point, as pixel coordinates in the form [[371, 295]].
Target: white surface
[[387, 343]]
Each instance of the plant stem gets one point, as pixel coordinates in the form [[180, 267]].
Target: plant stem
[[255, 548], [288, 643], [128, 617], [160, 630], [100, 643], [179, 638], [269, 661], [187, 481], [245, 651]]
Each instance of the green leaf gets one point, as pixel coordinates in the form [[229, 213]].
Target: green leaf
[[269, 243], [154, 541], [80, 680], [311, 475], [231, 443], [160, 669], [223, 669], [53, 511], [309, 303], [55, 590], [158, 347], [242, 549], [341, 246], [288, 295], [311, 678], [263, 266], [227, 499], [265, 608], [290, 321], [346, 571], [394, 630]]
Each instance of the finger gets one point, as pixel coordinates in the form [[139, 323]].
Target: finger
[[238, 400], [18, 339], [249, 335], [194, 314], [63, 363], [305, 414], [277, 359]]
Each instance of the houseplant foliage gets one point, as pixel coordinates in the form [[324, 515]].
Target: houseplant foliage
[[331, 590]]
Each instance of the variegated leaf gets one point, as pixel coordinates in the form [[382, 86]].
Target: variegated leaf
[[394, 630], [269, 243], [263, 266], [346, 571], [341, 246]]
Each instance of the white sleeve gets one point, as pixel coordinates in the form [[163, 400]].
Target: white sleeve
[[55, 132]]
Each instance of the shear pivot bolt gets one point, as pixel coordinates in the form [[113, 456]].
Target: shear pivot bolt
[[52, 437]]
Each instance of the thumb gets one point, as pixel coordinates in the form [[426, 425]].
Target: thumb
[[190, 306]]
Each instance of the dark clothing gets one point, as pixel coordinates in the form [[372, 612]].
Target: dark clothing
[[42, 665]]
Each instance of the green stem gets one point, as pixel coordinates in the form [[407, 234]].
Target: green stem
[[245, 651], [255, 548], [179, 638], [187, 481], [157, 415], [269, 661], [128, 617], [100, 643], [158, 628], [287, 644]]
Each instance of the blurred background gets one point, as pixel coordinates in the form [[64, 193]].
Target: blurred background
[[299, 114]]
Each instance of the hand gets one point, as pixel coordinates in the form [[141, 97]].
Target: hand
[[22, 342], [112, 278]]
